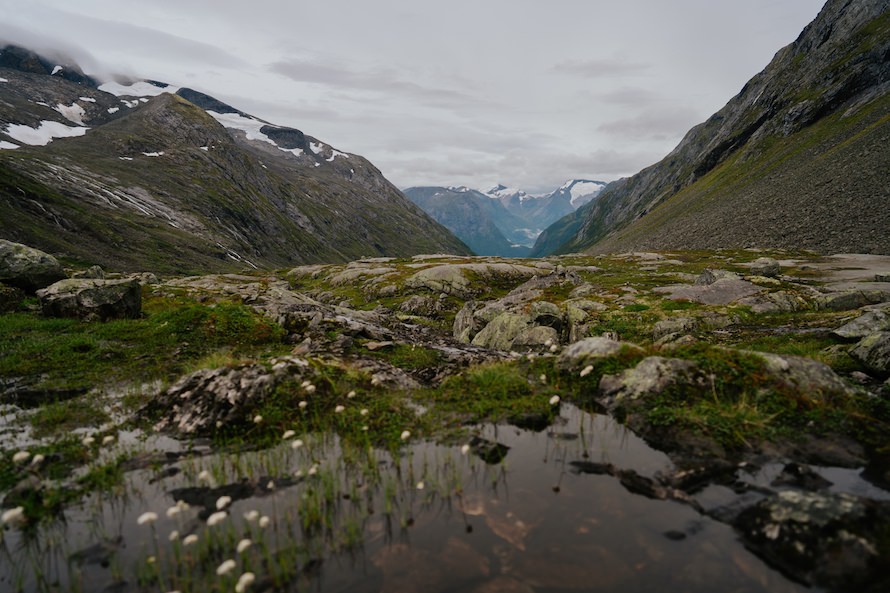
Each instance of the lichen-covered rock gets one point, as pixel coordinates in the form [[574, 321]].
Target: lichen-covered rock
[[836, 541], [873, 351], [466, 326], [28, 268], [535, 338], [771, 302], [866, 324], [810, 378], [93, 272], [845, 300], [651, 376], [546, 313], [92, 299], [583, 352], [458, 279], [501, 331], [765, 266], [710, 276], [209, 399], [723, 291], [674, 325]]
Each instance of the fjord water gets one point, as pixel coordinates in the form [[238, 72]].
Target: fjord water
[[429, 519]]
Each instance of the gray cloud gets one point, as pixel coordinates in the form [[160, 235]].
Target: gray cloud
[[600, 68], [626, 95], [654, 124]]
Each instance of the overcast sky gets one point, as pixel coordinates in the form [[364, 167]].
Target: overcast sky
[[526, 93]]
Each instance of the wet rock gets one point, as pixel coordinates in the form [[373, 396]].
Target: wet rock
[[501, 331], [592, 467], [866, 324], [27, 268], [873, 351], [206, 400], [490, 452], [765, 266], [92, 299], [836, 541], [585, 351], [800, 476]]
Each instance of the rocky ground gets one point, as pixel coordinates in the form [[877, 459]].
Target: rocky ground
[[723, 359]]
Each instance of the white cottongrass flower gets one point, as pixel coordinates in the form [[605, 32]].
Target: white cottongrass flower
[[543, 378], [313, 470], [21, 457], [88, 440], [107, 440], [289, 434], [350, 395], [587, 370], [264, 521], [310, 389], [302, 405], [464, 449], [364, 428], [174, 535], [554, 400], [226, 567], [216, 518], [305, 384], [222, 502], [375, 381], [147, 517], [364, 412], [243, 545], [257, 419], [204, 476], [244, 581], [252, 515], [270, 485], [548, 342], [420, 485], [406, 434], [38, 459], [14, 516], [298, 473], [190, 539], [554, 348], [296, 444], [339, 409], [173, 511]]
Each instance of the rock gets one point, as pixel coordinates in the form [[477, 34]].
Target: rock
[[583, 352], [709, 276], [463, 279], [27, 268], [779, 301], [423, 306], [651, 376], [546, 313], [814, 379], [92, 299], [845, 300], [873, 351], [765, 266], [587, 305], [721, 292], [466, 326], [93, 272], [864, 325], [10, 298], [501, 331], [674, 325], [800, 476], [535, 338], [206, 400], [372, 346], [835, 541]]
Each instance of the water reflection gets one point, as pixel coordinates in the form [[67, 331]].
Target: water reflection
[[430, 519]]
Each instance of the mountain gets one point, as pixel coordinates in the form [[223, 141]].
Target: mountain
[[146, 175], [475, 218], [502, 221], [798, 159]]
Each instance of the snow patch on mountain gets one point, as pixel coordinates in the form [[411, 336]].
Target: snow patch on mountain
[[73, 113], [42, 134], [56, 70], [582, 188], [3, 80], [4, 145], [137, 89]]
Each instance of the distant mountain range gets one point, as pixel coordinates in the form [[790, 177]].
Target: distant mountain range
[[501, 221], [800, 158], [145, 175]]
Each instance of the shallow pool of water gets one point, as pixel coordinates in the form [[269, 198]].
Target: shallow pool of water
[[433, 518]]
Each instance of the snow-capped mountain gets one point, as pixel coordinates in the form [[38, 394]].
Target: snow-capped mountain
[[146, 175], [502, 220]]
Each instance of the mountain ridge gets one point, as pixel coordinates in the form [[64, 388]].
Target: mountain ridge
[[710, 191]]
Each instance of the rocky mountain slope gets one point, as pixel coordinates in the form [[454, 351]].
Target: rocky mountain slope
[[147, 175], [798, 158], [502, 221]]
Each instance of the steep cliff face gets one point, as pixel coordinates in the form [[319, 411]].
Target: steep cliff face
[[151, 176], [799, 158]]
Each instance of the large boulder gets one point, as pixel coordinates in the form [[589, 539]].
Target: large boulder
[[835, 541], [765, 266], [816, 380], [722, 291], [92, 299], [866, 324], [28, 268], [588, 350], [501, 331], [650, 377], [873, 351]]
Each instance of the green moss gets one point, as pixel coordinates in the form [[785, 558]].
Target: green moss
[[409, 357]]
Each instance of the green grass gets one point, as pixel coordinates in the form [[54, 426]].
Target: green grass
[[408, 357], [64, 416]]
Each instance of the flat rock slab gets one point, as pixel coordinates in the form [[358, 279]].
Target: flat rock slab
[[27, 268], [92, 299], [722, 292]]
